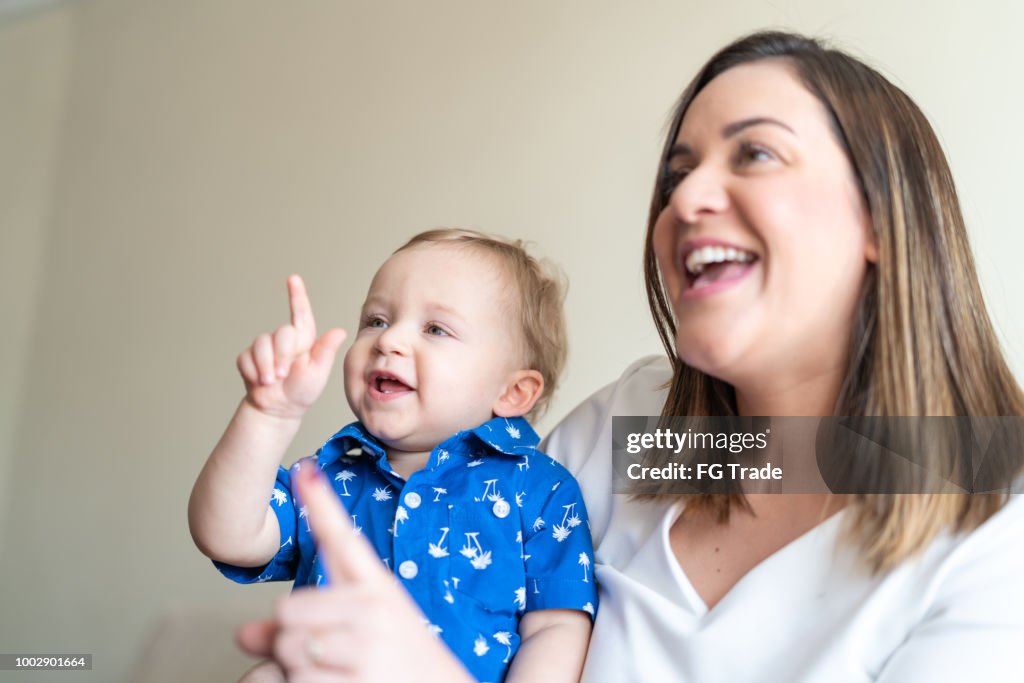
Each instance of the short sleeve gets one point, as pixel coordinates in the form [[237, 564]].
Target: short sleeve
[[558, 551], [282, 567]]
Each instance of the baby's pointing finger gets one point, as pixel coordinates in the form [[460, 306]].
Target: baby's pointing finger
[[346, 555], [302, 312]]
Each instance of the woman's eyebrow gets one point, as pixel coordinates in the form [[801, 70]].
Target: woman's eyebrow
[[733, 128], [681, 149]]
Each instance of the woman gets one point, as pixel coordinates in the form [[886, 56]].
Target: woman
[[805, 255]]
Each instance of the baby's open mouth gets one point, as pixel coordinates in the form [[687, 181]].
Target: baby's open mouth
[[387, 384], [710, 264]]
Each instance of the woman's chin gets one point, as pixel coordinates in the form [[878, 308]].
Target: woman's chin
[[718, 357]]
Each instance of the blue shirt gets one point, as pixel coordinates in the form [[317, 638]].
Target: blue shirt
[[489, 529]]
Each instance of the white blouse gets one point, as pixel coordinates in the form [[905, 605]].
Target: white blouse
[[809, 612]]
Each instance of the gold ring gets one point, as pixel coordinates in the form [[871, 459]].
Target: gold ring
[[315, 649]]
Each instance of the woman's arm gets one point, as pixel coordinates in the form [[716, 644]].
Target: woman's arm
[[974, 628]]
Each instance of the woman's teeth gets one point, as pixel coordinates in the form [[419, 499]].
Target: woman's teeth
[[699, 258]]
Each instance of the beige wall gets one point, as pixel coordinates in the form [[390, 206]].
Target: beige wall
[[173, 161], [33, 75]]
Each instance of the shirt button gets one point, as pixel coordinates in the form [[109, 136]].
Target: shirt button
[[408, 570], [412, 499], [501, 509]]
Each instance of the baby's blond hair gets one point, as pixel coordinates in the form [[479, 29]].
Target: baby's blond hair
[[541, 291]]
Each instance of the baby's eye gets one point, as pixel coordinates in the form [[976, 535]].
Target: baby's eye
[[436, 331], [375, 321]]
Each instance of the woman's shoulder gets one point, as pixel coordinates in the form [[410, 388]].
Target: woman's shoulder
[[639, 390], [582, 442]]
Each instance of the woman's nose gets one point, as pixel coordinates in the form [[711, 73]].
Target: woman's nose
[[700, 194]]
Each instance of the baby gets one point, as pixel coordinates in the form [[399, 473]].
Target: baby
[[461, 337]]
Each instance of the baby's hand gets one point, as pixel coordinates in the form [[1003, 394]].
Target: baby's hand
[[286, 372]]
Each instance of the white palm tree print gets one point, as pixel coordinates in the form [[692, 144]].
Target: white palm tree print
[[538, 524], [480, 647], [570, 516], [355, 527], [382, 494], [439, 549], [448, 597], [288, 542], [279, 497], [589, 608], [570, 520], [304, 515], [478, 557], [521, 598], [490, 489], [505, 638], [442, 456], [519, 498], [401, 515], [345, 476], [476, 462], [512, 431], [584, 562], [438, 492]]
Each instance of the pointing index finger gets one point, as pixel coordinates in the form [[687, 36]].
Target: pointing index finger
[[346, 555], [302, 312]]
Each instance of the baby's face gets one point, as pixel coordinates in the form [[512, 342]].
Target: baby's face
[[435, 349]]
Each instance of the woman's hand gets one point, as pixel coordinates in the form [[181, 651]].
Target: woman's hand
[[286, 372], [364, 627]]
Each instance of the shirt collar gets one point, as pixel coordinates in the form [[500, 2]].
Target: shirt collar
[[505, 435], [511, 436]]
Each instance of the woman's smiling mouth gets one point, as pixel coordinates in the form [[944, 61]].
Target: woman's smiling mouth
[[711, 266]]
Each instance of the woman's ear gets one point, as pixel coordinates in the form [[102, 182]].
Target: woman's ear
[[870, 239], [871, 246], [521, 393]]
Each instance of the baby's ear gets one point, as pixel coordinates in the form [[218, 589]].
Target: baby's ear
[[521, 393]]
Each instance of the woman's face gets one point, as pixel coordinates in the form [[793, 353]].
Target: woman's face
[[764, 242]]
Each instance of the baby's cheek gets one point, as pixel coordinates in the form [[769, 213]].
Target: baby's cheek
[[352, 377]]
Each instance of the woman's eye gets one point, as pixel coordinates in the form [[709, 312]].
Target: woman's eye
[[670, 179], [750, 153], [436, 331]]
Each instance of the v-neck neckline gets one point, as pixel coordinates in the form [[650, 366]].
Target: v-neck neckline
[[689, 591]]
